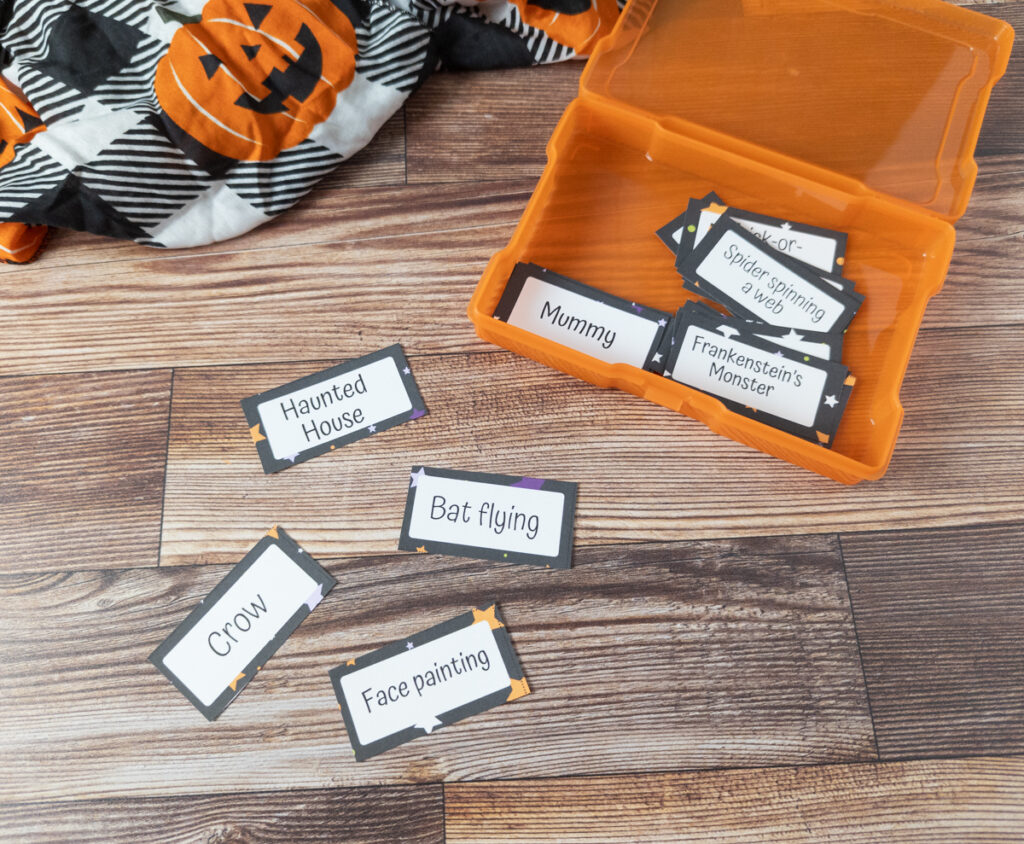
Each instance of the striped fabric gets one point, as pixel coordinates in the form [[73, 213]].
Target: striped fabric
[[179, 122]]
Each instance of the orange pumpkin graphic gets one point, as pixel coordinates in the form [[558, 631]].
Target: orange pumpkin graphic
[[18, 121], [576, 23], [251, 79]]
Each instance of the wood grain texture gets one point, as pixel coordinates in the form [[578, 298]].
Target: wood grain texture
[[979, 800], [491, 125], [412, 814], [645, 472], [939, 617], [380, 164], [641, 658], [82, 469], [1003, 130]]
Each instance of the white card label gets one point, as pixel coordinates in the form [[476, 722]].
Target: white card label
[[815, 250], [413, 688], [748, 375], [592, 327]]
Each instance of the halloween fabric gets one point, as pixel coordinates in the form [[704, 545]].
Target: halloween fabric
[[175, 123]]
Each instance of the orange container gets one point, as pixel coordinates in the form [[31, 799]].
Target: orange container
[[856, 115]]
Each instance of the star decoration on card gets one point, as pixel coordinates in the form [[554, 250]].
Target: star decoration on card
[[792, 335], [779, 355], [416, 477], [407, 371], [785, 227], [831, 401], [409, 646], [656, 357], [421, 549], [372, 429], [291, 457], [727, 330], [662, 323]]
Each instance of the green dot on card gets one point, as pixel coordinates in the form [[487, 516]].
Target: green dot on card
[[691, 228]]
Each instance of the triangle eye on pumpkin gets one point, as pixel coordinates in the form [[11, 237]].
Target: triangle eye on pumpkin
[[210, 64], [29, 121], [251, 50], [257, 12]]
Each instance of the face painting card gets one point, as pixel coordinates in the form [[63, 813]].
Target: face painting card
[[823, 249], [493, 517], [214, 653], [796, 393], [753, 281], [678, 233], [813, 343], [308, 417], [427, 681], [581, 317]]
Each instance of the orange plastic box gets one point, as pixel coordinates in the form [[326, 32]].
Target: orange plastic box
[[857, 115]]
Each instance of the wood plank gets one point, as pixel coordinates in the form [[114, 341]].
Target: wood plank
[[339, 194], [326, 299], [645, 472], [978, 800], [730, 653], [939, 617], [81, 470], [1003, 130], [486, 125], [412, 814]]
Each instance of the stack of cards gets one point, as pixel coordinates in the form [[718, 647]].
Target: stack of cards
[[775, 356]]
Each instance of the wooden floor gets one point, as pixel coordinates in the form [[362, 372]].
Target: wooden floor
[[743, 652]]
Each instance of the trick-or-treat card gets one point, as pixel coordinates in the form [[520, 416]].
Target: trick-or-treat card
[[427, 681], [496, 517], [318, 413], [222, 644], [581, 317]]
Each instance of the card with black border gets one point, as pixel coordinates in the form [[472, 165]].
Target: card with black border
[[821, 248], [509, 518], [320, 412], [419, 684], [678, 233], [814, 343], [581, 317], [225, 641], [796, 393], [743, 274]]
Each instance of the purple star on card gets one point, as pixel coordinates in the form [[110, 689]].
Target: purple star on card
[[291, 457], [417, 412], [636, 307], [529, 483], [315, 598], [416, 477]]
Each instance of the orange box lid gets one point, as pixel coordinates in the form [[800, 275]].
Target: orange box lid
[[864, 94]]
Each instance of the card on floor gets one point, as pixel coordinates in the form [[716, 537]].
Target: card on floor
[[814, 343], [823, 249], [214, 653], [742, 273], [494, 517], [581, 317], [308, 417], [429, 680], [678, 232], [797, 393]]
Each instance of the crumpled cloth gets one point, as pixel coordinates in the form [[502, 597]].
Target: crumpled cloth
[[177, 123]]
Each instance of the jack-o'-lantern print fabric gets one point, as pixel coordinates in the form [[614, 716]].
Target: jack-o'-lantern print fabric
[[181, 122]]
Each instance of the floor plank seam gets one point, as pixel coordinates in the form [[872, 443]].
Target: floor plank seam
[[167, 460], [860, 655], [970, 526]]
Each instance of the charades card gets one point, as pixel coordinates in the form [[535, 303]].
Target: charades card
[[740, 272], [672, 234], [318, 413], [821, 248], [222, 644], [427, 681], [495, 517], [581, 317], [796, 393], [814, 343]]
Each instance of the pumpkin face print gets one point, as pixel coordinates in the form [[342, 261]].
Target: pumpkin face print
[[251, 79]]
